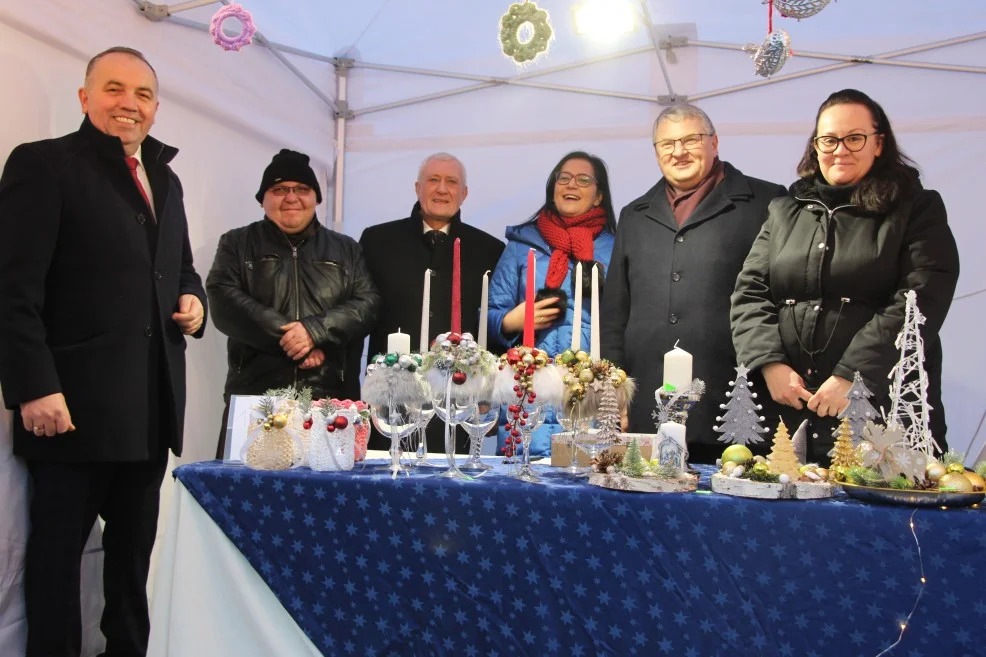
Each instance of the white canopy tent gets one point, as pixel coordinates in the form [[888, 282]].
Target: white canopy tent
[[229, 112]]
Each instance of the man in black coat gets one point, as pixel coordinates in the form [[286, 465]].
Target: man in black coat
[[291, 294], [399, 252], [97, 294], [678, 250]]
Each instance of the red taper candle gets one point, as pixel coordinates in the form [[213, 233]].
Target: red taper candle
[[456, 288], [529, 301]]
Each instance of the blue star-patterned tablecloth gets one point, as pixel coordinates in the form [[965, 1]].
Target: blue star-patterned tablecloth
[[423, 565]]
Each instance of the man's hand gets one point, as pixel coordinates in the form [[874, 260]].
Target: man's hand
[[831, 397], [47, 416], [190, 314], [785, 385], [296, 342], [314, 359]]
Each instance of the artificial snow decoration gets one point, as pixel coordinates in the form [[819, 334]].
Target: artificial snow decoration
[[909, 390], [860, 410], [799, 8], [460, 359], [740, 424], [511, 24], [394, 379], [771, 55]]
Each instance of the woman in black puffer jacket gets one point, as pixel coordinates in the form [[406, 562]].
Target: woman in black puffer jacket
[[821, 294]]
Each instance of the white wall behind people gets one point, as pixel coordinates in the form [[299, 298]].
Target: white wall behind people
[[229, 113]]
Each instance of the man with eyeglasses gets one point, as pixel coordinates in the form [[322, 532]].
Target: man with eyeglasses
[[291, 295], [399, 252], [679, 248]]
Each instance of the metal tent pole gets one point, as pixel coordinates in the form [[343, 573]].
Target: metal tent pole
[[343, 114]]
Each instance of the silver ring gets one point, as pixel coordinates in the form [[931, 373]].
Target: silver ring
[[39, 430]]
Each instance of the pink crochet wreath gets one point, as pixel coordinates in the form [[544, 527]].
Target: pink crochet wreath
[[244, 38]]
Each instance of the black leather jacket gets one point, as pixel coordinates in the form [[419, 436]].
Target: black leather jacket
[[261, 281]]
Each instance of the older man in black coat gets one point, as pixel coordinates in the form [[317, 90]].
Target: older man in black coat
[[399, 252], [679, 248], [97, 294]]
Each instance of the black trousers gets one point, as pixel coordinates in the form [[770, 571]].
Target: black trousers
[[67, 498]]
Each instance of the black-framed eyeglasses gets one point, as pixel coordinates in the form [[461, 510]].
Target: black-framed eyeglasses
[[853, 143], [284, 190], [688, 142], [581, 179]]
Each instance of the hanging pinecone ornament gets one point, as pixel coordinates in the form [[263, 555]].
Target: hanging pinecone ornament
[[799, 8]]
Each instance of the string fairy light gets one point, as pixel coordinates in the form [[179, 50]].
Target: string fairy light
[[904, 623]]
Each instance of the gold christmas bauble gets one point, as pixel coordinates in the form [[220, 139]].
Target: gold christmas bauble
[[934, 471], [761, 468], [955, 467], [738, 454], [955, 482], [581, 355], [586, 376], [578, 389], [728, 467], [822, 472], [528, 359], [279, 421], [978, 483], [266, 426]]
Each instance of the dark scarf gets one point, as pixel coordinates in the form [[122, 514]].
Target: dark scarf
[[683, 203], [569, 237], [833, 195]]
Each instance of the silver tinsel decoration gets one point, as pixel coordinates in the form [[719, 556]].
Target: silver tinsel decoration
[[771, 55], [799, 8]]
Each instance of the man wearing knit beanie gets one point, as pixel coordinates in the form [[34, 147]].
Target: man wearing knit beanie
[[290, 294]]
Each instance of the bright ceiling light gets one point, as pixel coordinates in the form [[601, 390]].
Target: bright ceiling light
[[604, 18]]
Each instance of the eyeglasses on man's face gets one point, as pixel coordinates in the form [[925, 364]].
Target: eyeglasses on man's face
[[853, 143], [688, 142], [582, 179], [284, 190]]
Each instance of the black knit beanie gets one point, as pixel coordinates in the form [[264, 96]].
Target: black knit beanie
[[288, 165]]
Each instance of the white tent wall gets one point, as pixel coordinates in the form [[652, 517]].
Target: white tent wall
[[228, 113]]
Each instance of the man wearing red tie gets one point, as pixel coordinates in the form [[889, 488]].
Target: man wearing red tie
[[97, 294]]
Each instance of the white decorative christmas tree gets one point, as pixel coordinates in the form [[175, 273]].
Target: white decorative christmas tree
[[740, 424], [608, 415], [860, 410], [909, 389]]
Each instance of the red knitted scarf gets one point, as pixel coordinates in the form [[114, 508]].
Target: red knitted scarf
[[569, 237]]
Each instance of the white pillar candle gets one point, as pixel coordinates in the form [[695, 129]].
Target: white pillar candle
[[398, 343], [484, 310], [577, 308], [674, 432], [594, 351], [425, 312], [678, 368]]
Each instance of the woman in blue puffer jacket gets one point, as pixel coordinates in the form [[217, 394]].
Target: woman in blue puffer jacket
[[575, 224]]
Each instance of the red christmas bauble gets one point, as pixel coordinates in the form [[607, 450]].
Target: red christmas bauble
[[341, 422], [454, 338], [330, 428], [458, 378]]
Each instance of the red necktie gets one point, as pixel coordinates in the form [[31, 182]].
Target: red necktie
[[133, 164]]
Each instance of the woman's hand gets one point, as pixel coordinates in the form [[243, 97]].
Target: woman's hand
[[785, 385], [831, 397], [513, 321]]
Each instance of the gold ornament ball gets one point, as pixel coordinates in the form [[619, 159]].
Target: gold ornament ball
[[955, 482], [578, 389], [541, 359], [761, 468], [822, 472], [279, 421], [585, 376], [738, 454], [581, 355], [978, 483], [955, 467], [934, 471], [266, 426], [728, 467], [528, 359]]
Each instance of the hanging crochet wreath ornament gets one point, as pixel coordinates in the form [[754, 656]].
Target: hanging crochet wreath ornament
[[799, 8], [511, 25], [247, 28]]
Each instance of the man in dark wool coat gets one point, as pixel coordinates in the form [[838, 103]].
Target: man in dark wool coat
[[399, 252], [679, 248], [97, 294]]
